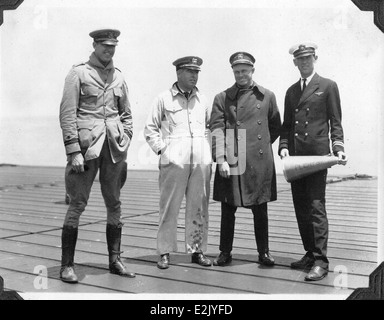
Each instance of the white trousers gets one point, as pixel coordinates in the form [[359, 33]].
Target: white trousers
[[175, 181]]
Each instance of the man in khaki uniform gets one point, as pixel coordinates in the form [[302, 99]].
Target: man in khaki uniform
[[96, 121], [176, 130]]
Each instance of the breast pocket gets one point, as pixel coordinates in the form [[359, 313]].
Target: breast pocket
[[175, 115], [117, 94], [88, 96]]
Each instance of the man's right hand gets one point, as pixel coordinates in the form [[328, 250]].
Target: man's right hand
[[284, 153], [224, 169], [77, 162]]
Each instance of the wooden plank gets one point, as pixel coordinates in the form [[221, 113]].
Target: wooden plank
[[279, 250], [256, 281]]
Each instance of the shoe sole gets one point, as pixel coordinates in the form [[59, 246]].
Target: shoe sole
[[222, 264], [203, 265], [69, 281], [122, 275], [316, 279]]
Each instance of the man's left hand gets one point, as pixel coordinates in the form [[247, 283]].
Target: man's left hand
[[343, 159]]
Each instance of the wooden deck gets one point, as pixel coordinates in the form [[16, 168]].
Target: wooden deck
[[32, 210]]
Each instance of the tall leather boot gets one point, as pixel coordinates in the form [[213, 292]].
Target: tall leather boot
[[68, 245], [116, 266]]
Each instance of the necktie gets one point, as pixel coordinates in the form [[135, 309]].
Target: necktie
[[304, 85], [186, 94]]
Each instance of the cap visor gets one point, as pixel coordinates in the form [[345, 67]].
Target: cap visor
[[109, 43], [304, 54], [242, 62]]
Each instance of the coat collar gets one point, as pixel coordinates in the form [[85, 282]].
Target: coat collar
[[234, 90], [93, 61]]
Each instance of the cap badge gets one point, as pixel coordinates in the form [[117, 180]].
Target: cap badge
[[194, 60]]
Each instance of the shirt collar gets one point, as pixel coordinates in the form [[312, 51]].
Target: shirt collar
[[177, 90], [308, 78]]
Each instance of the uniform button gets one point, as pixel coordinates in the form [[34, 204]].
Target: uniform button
[[259, 137], [259, 122], [238, 138], [258, 106], [297, 122], [296, 134], [306, 134], [307, 109], [306, 123], [261, 152], [238, 123], [297, 110]]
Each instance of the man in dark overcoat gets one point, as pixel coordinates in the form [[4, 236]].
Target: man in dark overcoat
[[245, 121], [312, 126]]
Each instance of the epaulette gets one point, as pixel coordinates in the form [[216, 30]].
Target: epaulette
[[78, 64]]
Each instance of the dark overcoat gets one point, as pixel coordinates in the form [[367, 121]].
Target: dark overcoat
[[244, 124]]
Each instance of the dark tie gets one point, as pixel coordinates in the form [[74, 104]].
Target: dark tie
[[186, 94], [304, 85]]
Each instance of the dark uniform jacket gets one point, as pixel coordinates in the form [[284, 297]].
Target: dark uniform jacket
[[244, 123], [312, 120]]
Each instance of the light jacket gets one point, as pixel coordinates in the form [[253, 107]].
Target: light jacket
[[95, 107], [176, 127]]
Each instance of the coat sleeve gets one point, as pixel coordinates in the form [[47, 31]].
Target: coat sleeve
[[217, 127], [274, 119], [68, 110], [287, 124], [334, 116], [152, 129], [125, 111]]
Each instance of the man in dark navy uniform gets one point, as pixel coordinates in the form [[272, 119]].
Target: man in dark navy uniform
[[312, 126]]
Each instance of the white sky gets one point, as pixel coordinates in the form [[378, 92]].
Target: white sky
[[41, 40]]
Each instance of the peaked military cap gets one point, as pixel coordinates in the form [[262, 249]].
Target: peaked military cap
[[106, 36], [303, 49], [242, 58], [190, 62]]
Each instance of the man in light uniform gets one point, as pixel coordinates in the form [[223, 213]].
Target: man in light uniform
[[96, 122], [176, 130]]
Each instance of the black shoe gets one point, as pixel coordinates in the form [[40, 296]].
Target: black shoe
[[117, 267], [68, 275], [317, 273], [201, 259], [304, 263], [164, 261], [223, 259], [266, 259]]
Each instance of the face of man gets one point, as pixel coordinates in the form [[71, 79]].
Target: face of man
[[306, 65], [187, 79], [243, 74], [104, 53]]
